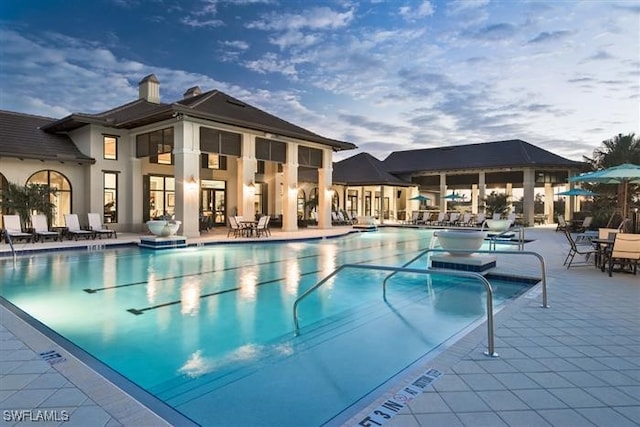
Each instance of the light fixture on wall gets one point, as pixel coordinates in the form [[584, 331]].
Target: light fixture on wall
[[191, 183]]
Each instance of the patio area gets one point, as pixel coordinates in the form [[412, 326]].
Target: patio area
[[575, 363]]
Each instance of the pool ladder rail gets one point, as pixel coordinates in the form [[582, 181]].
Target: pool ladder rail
[[429, 270]]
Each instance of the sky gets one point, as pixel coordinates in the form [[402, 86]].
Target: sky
[[385, 75]]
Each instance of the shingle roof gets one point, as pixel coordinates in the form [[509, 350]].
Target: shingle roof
[[511, 153], [213, 105], [21, 137], [364, 169]]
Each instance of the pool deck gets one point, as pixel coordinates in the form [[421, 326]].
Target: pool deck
[[576, 363]]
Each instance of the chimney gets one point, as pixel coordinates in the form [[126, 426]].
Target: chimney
[[149, 89], [191, 92]]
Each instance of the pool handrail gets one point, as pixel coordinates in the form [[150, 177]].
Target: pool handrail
[[484, 251], [13, 250], [490, 329], [495, 238]]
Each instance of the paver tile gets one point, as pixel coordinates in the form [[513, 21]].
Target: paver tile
[[523, 419], [565, 418], [481, 419], [605, 417]]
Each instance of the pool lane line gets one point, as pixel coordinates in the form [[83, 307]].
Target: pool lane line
[[107, 288], [167, 304], [139, 311]]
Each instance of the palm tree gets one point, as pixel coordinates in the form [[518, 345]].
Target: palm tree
[[23, 201], [615, 151]]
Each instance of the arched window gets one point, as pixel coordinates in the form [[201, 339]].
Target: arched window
[[62, 199]]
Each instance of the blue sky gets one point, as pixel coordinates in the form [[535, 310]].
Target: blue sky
[[385, 75]]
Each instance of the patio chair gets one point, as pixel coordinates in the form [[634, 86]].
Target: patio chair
[[234, 227], [625, 252], [95, 225], [441, 220], [41, 229], [466, 220], [415, 216], [73, 228], [479, 220], [261, 226], [13, 229], [574, 250], [562, 224]]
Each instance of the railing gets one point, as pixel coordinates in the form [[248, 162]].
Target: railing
[[496, 238], [483, 251], [13, 251], [490, 333]]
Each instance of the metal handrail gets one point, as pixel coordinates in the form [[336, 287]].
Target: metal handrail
[[13, 250], [490, 333], [483, 251], [493, 240]]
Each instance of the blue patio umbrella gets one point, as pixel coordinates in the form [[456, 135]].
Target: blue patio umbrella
[[622, 174], [454, 196], [577, 192], [420, 198]]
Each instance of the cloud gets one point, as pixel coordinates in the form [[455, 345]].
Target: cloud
[[317, 18], [235, 44], [460, 6], [600, 55], [494, 32], [412, 13], [270, 63], [552, 36], [200, 23]]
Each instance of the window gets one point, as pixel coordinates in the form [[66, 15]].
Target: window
[[260, 167], [110, 147], [311, 157], [110, 197], [275, 151], [352, 202], [62, 198], [161, 196], [214, 161], [219, 141], [157, 145]]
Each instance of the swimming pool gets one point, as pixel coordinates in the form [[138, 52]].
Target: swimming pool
[[209, 330]]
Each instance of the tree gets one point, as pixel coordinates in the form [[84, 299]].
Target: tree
[[23, 201], [496, 203], [615, 151]]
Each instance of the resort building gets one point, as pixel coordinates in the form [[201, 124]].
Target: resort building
[[208, 156]]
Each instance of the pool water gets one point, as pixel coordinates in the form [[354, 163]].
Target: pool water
[[209, 330]]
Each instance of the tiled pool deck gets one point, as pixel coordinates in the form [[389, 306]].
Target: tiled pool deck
[[576, 363]]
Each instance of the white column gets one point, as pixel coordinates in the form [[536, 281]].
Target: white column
[[443, 192], [134, 202], [529, 191], [186, 153], [482, 189], [289, 202], [509, 192], [381, 207], [474, 198], [246, 174], [324, 189], [548, 202]]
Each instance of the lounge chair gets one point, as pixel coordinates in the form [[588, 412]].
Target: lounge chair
[[625, 252], [95, 225], [453, 218], [13, 229], [415, 216], [573, 251], [73, 227], [41, 229], [479, 220]]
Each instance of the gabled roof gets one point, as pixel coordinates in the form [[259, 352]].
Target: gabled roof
[[213, 105], [21, 137], [511, 153], [364, 169]]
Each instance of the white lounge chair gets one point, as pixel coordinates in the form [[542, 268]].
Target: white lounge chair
[[41, 229], [73, 227], [13, 228], [95, 225]]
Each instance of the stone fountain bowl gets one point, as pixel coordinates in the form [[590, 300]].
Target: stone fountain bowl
[[498, 224], [452, 240], [163, 228]]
